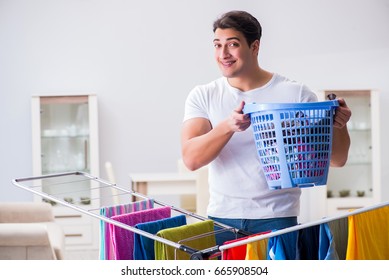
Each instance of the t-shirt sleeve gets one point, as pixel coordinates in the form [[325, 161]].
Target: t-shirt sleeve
[[196, 105], [307, 95]]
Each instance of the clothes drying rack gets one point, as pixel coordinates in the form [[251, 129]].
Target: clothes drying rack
[[39, 185], [34, 185]]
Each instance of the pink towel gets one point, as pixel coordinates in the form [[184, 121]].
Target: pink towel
[[123, 240]]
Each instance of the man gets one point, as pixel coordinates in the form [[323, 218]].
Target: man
[[215, 130]]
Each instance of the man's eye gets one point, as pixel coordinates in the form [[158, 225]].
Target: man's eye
[[216, 46], [233, 44]]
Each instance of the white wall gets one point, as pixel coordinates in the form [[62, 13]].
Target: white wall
[[143, 57]]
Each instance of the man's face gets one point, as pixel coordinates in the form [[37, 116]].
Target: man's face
[[232, 53]]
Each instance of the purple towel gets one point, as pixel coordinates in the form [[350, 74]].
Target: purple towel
[[106, 251], [123, 240]]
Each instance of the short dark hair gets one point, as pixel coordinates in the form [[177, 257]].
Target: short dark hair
[[240, 21]]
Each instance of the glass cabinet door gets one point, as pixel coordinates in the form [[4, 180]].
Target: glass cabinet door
[[64, 134], [355, 179]]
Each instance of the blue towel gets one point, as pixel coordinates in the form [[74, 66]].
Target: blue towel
[[327, 246], [283, 247], [144, 246]]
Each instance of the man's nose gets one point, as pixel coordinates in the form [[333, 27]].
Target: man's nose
[[224, 52]]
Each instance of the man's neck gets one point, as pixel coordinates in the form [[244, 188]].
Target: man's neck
[[255, 80]]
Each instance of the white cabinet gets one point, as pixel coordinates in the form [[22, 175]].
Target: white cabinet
[[357, 184], [65, 138]]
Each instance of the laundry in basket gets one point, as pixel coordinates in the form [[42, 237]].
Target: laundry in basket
[[293, 141]]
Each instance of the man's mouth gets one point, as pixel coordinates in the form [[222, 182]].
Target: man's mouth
[[227, 63]]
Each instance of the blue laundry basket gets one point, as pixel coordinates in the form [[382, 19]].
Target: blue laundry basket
[[293, 141]]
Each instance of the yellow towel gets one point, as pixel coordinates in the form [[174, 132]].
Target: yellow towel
[[368, 235], [176, 234], [257, 250]]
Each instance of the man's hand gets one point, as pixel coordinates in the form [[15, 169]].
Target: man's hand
[[238, 121], [342, 114], [341, 137]]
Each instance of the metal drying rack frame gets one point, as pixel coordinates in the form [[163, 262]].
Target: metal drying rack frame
[[207, 253]]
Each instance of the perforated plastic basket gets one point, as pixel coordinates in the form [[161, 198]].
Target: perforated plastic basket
[[293, 141]]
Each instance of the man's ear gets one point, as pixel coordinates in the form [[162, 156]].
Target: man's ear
[[255, 47]]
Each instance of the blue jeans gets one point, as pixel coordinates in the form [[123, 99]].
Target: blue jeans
[[250, 226]]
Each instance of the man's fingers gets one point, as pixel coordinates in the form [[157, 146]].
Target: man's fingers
[[239, 109]]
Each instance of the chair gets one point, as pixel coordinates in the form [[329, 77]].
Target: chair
[[111, 179], [28, 231], [202, 192]]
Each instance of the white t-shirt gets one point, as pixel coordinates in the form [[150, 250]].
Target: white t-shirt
[[237, 185]]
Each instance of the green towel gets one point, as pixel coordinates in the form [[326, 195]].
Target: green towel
[[176, 234]]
